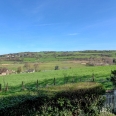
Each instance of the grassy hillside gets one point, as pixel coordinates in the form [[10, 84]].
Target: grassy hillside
[[56, 56], [46, 78]]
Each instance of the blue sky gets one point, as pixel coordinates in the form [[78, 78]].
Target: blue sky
[[57, 25]]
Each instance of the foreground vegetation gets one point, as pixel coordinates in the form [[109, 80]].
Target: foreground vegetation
[[68, 99]]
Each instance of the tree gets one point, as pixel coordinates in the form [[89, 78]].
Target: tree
[[27, 65], [56, 68], [19, 69], [113, 78], [114, 61], [36, 67]]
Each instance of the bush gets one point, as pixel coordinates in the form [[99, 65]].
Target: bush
[[89, 64], [113, 77], [68, 99], [56, 68]]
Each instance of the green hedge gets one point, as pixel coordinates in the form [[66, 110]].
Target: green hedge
[[86, 97], [66, 100]]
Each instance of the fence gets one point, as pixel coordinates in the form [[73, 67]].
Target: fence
[[110, 102], [49, 82]]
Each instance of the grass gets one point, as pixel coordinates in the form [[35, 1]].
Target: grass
[[49, 65], [46, 78], [29, 59], [71, 87]]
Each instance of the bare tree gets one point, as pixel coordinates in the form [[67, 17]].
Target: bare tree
[[36, 67], [27, 65]]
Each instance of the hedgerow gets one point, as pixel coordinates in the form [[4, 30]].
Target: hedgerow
[[68, 99]]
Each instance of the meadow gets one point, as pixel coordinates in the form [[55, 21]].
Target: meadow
[[46, 77]]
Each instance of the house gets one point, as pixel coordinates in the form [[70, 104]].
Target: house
[[4, 71]]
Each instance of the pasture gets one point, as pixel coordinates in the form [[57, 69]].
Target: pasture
[[46, 77]]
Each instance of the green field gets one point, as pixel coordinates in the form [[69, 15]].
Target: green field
[[72, 68], [46, 78]]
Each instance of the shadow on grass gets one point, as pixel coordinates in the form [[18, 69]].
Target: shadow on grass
[[33, 86]]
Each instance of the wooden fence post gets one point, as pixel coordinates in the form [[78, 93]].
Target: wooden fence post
[[6, 89], [66, 79], [93, 77], [22, 85], [73, 80], [37, 84], [0, 87], [54, 81]]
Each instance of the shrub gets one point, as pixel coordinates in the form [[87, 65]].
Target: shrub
[[56, 68], [68, 99], [113, 77], [89, 64]]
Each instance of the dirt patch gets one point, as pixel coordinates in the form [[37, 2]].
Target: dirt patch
[[79, 62]]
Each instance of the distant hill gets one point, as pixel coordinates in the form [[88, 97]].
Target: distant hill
[[44, 56]]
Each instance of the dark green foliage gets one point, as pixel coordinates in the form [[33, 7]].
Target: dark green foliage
[[114, 61], [54, 81], [0, 87], [19, 69], [113, 77], [84, 99], [21, 105], [62, 100], [93, 77], [56, 67]]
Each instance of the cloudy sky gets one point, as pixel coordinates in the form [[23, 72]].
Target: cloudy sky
[[57, 25]]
